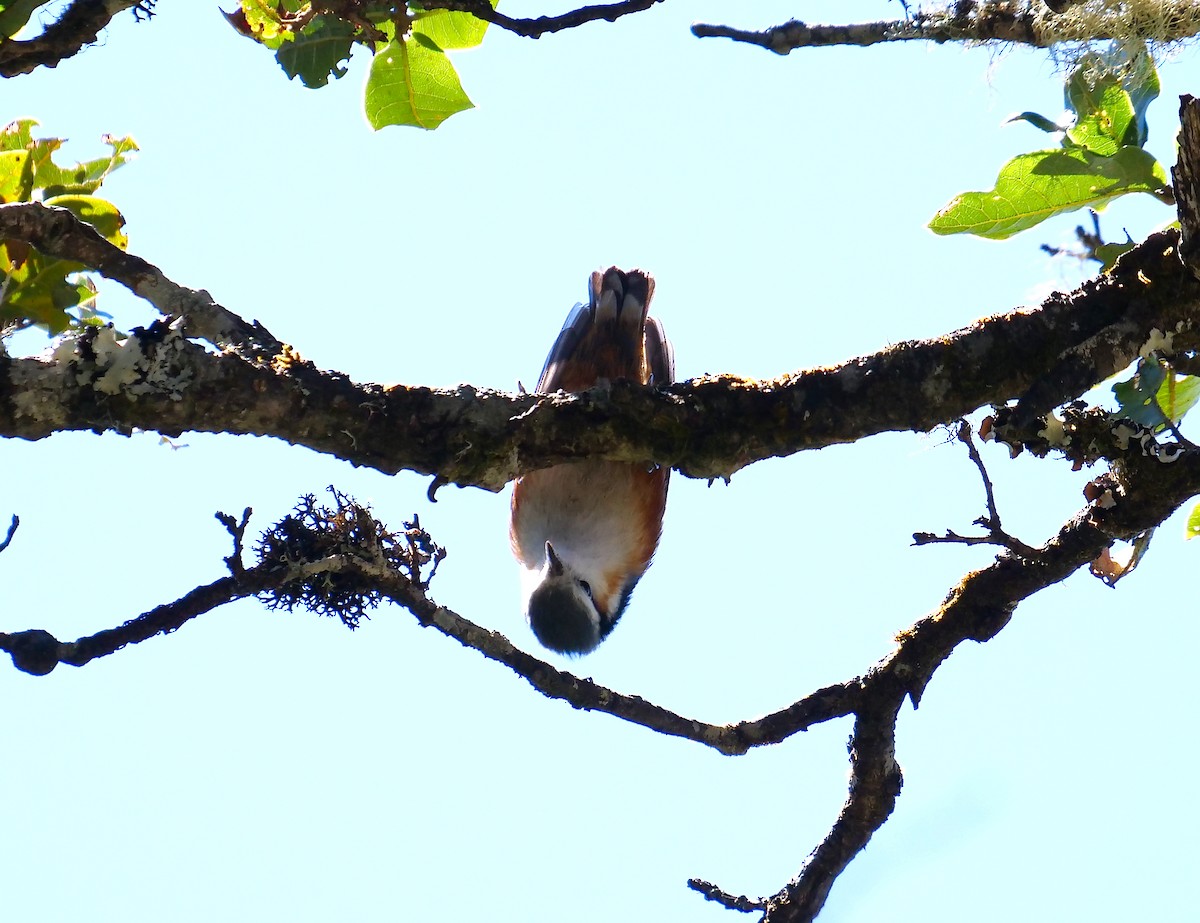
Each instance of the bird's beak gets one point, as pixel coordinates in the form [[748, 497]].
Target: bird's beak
[[556, 564]]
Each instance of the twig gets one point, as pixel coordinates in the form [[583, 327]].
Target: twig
[[995, 531], [1089, 240], [711, 892], [237, 530], [542, 25], [12, 530]]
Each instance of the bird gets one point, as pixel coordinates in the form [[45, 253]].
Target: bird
[[584, 532]]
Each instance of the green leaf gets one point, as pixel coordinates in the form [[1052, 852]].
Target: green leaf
[[1108, 254], [14, 168], [1110, 94], [99, 213], [1177, 395], [40, 290], [265, 22], [1036, 120], [1105, 121], [86, 177], [1033, 187], [15, 13], [411, 83], [318, 51], [38, 287], [18, 135], [449, 29], [1136, 397], [1193, 522], [41, 173]]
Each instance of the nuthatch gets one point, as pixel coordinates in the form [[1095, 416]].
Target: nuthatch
[[584, 532]]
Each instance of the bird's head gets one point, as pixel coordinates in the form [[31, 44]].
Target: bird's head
[[563, 609]]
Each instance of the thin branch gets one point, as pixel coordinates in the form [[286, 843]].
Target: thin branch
[[542, 25], [990, 521], [1030, 23], [38, 652], [1090, 241], [80, 24], [1005, 23], [977, 609], [1148, 491], [741, 902], [310, 581], [12, 530], [58, 233]]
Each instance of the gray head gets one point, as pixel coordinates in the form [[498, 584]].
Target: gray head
[[563, 612]]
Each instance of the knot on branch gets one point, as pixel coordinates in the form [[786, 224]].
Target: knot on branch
[[35, 651], [356, 550]]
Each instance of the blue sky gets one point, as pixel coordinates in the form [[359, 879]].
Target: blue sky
[[258, 765]]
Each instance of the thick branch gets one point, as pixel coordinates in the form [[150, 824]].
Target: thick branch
[[542, 25], [79, 25], [159, 380]]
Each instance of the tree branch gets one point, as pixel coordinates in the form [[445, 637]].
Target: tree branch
[[1032, 23], [345, 554], [79, 25], [977, 609], [158, 380], [58, 233], [542, 25], [12, 530], [1186, 175]]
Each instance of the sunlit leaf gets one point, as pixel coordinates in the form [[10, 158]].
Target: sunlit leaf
[[40, 290], [88, 176], [412, 83], [101, 214], [1110, 94], [1106, 120], [1193, 522], [450, 29], [1033, 187], [17, 135], [264, 19], [1178, 394], [13, 171]]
